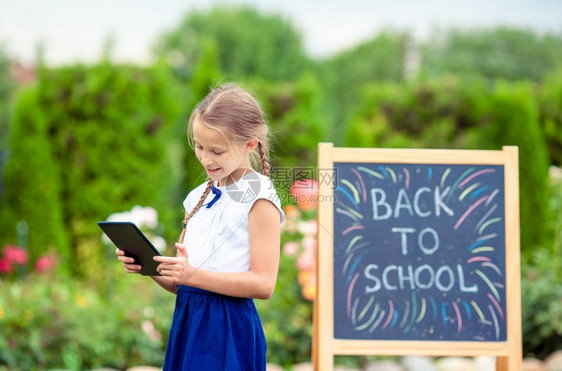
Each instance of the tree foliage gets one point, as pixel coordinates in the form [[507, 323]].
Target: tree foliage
[[503, 52], [6, 81], [249, 44], [297, 123], [7, 87], [98, 135], [451, 113], [32, 183], [206, 75], [550, 103], [379, 59], [295, 117], [515, 121]]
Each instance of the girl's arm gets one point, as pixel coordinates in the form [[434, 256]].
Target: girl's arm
[[131, 267], [258, 282], [171, 287]]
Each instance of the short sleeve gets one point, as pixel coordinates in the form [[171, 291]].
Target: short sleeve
[[193, 197], [268, 192]]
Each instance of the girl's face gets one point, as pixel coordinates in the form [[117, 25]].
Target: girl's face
[[223, 162]]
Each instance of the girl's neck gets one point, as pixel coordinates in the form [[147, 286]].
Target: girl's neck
[[235, 176]]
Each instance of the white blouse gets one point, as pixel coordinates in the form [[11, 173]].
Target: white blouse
[[217, 237]]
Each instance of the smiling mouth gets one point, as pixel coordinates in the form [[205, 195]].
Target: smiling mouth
[[213, 170]]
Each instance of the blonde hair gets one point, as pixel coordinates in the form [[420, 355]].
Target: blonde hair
[[235, 114]]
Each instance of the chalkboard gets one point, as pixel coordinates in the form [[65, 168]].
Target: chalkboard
[[419, 252]]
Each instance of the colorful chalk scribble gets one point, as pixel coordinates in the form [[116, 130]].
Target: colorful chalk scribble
[[419, 252]]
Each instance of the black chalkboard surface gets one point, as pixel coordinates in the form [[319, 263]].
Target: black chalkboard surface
[[419, 252]]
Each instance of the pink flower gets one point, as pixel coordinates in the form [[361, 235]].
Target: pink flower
[[306, 261], [305, 192], [151, 331], [309, 244], [16, 255], [5, 266], [45, 263], [308, 228], [291, 248]]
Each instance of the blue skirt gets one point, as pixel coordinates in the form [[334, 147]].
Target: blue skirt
[[214, 332]]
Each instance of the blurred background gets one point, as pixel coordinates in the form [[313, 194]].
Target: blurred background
[[94, 102]]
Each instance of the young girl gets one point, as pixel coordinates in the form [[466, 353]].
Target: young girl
[[230, 254]]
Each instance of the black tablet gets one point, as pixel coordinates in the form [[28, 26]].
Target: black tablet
[[129, 238]]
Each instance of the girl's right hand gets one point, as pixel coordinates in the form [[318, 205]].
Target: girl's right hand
[[128, 262]]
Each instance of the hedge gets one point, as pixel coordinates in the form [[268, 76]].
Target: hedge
[[467, 114], [88, 141]]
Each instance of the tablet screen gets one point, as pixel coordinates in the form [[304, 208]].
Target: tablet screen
[[129, 238]]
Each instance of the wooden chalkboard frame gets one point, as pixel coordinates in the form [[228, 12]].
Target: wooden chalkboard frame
[[508, 353]]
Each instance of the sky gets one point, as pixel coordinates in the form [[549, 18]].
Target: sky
[[76, 30]]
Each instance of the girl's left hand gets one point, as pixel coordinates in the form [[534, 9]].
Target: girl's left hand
[[176, 270]]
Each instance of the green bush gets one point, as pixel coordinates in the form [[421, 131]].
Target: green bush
[[51, 322], [32, 183], [297, 122], [294, 113], [550, 100], [541, 285], [495, 53], [514, 120], [249, 43], [206, 76], [101, 137], [541, 292], [287, 318], [426, 114], [7, 88], [472, 114]]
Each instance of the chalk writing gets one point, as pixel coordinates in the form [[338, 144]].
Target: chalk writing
[[419, 252]]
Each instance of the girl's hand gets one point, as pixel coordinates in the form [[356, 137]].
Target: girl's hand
[[128, 262], [176, 270]]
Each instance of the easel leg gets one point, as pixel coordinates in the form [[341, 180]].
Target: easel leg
[[501, 364]]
